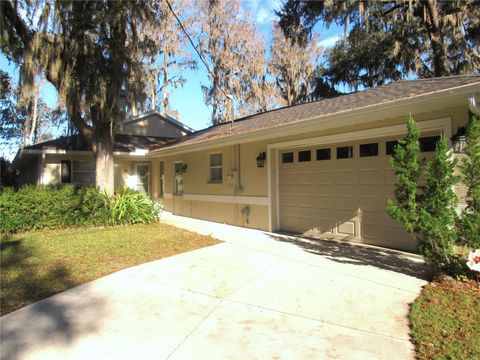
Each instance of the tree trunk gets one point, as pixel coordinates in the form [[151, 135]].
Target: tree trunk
[[104, 166], [165, 80]]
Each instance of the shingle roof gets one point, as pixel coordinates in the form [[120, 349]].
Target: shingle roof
[[298, 113], [123, 143]]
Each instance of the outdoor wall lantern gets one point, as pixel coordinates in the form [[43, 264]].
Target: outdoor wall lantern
[[459, 141], [184, 169], [261, 159]]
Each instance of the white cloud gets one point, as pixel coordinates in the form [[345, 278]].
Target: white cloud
[[263, 10], [329, 42]]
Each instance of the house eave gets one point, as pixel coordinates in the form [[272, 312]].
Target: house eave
[[329, 121]]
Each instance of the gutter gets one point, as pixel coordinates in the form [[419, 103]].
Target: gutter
[[317, 123]]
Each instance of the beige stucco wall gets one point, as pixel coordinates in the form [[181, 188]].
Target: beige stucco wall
[[255, 180], [150, 126]]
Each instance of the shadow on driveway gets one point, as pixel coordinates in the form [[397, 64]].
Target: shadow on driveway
[[346, 253], [45, 321]]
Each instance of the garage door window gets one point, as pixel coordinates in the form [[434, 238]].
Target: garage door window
[[344, 152], [390, 146], [369, 150], [428, 143], [323, 154], [304, 156], [287, 158]]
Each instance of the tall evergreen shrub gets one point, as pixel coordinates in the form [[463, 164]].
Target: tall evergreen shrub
[[437, 234], [427, 211], [469, 222]]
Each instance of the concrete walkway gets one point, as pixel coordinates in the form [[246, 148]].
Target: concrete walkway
[[255, 296]]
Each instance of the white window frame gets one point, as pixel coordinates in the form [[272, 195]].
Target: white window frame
[[161, 179], [74, 172], [211, 167], [137, 177], [177, 188]]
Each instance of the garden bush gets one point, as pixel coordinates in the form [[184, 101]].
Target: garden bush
[[131, 207], [40, 207]]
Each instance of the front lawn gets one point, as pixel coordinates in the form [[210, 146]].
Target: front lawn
[[446, 321], [39, 264]]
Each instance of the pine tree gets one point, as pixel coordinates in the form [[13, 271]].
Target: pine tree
[[469, 222], [407, 167], [437, 210]]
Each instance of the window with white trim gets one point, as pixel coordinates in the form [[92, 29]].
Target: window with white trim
[[178, 178], [161, 184], [83, 172], [216, 170]]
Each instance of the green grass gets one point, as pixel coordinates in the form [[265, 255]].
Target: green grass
[[446, 321], [39, 264]]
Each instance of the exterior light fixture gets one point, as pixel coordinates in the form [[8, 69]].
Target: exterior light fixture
[[459, 141], [184, 169], [261, 159]]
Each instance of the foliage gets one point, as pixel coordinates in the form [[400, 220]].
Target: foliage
[[165, 71], [445, 321], [388, 40], [8, 174], [429, 210], [89, 62], [437, 210], [407, 168], [131, 207], [293, 64], [469, 223], [33, 208], [235, 55], [39, 264]]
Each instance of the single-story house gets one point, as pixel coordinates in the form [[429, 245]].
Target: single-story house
[[320, 168], [69, 159]]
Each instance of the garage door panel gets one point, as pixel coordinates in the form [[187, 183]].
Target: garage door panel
[[341, 197], [369, 177], [343, 177], [324, 177], [323, 201]]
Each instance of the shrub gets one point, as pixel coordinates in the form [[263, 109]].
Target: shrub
[[469, 222], [131, 207], [34, 207], [427, 211]]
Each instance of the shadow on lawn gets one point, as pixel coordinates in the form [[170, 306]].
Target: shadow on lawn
[[45, 321], [347, 253]]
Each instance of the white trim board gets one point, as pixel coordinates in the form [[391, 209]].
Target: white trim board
[[444, 124], [229, 199]]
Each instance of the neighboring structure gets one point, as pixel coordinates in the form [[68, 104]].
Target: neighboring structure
[[70, 159], [326, 170]]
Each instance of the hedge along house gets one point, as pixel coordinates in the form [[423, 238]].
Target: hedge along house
[[70, 159], [320, 168]]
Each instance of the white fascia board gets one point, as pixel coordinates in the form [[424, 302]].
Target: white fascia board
[[136, 153], [318, 123]]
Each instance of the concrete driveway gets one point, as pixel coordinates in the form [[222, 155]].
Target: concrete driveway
[[255, 296]]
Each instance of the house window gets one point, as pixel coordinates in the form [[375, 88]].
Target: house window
[[428, 143], [178, 178], [287, 158], [83, 172], [161, 184], [390, 146], [344, 152], [66, 171], [323, 154], [367, 150], [216, 173], [304, 156], [142, 172]]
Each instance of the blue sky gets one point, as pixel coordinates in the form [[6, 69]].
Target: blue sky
[[188, 100]]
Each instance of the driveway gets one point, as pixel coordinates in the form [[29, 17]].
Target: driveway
[[255, 296]]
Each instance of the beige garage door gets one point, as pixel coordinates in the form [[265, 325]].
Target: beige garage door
[[341, 191]]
